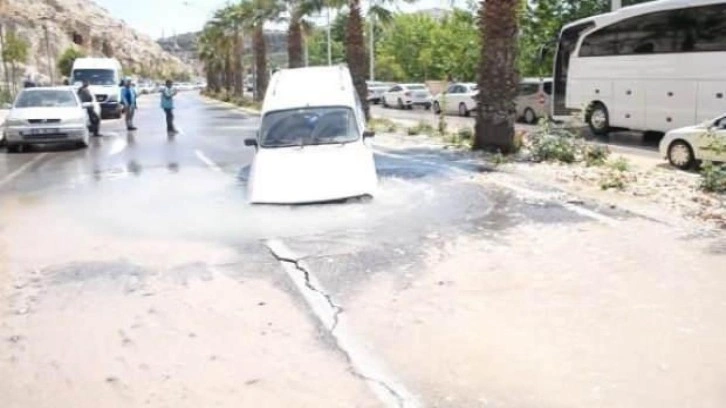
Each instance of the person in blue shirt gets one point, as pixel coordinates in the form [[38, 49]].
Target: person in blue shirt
[[128, 100], [168, 92]]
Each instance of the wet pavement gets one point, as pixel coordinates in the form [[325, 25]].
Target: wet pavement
[[134, 273]]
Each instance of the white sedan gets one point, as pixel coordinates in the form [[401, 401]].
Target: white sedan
[[685, 146], [406, 96], [47, 115], [458, 98]]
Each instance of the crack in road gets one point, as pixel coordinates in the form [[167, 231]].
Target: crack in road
[[337, 310]]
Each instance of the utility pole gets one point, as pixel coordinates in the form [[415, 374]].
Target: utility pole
[[47, 51], [616, 4]]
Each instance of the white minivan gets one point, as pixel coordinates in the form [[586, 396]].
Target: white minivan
[[104, 76], [312, 145]]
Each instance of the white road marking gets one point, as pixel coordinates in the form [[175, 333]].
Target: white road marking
[[10, 177], [206, 160], [363, 364]]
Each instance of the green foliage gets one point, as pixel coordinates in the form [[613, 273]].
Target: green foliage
[[596, 155], [65, 62], [616, 177], [465, 133], [382, 125], [620, 164], [548, 143], [416, 47], [15, 49], [713, 178], [420, 128]]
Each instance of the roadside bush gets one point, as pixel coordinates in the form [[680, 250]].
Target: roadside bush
[[596, 155], [620, 164], [713, 178], [420, 128], [465, 133], [382, 125], [554, 144], [616, 177]]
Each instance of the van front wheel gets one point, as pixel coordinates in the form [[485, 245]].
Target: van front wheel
[[598, 119]]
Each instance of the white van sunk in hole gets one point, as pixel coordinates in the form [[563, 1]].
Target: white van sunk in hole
[[104, 78], [312, 145]]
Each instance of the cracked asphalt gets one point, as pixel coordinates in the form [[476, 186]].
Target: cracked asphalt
[[134, 274]]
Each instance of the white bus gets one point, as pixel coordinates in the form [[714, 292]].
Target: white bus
[[655, 66]]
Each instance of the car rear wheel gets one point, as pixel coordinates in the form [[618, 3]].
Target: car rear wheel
[[529, 116], [437, 108], [462, 110], [680, 155], [598, 119]]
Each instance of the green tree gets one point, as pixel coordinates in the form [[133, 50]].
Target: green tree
[[298, 10], [65, 62], [254, 14], [498, 76], [355, 52], [15, 51]]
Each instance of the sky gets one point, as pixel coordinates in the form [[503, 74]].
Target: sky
[[169, 17]]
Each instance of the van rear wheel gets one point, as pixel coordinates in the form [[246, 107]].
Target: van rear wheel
[[598, 119]]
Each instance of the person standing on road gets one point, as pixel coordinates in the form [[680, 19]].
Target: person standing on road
[[84, 94], [128, 100], [168, 92]]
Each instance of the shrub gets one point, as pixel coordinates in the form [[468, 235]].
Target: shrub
[[620, 164], [421, 127], [596, 155], [713, 177], [382, 124], [554, 144], [613, 179], [465, 133]]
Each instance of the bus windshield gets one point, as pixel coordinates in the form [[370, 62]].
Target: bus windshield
[[95, 76]]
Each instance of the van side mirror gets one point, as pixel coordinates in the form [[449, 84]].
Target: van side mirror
[[251, 143], [368, 133]]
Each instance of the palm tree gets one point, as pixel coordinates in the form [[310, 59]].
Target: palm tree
[[254, 14], [498, 75], [298, 9], [355, 53], [210, 42], [230, 18]]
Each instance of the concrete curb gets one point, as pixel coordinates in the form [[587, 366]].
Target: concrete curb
[[248, 111]]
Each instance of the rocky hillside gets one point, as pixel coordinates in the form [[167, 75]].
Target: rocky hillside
[[91, 27]]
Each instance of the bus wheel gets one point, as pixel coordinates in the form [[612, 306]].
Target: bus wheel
[[680, 155], [598, 119]]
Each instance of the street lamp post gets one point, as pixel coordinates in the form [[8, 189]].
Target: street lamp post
[[47, 52]]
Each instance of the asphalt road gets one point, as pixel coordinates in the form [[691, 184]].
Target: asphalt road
[[636, 143], [134, 273]]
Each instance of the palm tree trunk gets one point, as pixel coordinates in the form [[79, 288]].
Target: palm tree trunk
[[295, 43], [238, 67], [228, 72], [355, 53], [498, 76], [260, 48]]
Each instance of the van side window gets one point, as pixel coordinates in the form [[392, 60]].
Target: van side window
[[528, 89], [547, 87]]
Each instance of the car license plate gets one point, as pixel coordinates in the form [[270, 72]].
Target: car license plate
[[41, 131]]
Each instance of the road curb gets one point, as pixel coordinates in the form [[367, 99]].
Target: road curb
[[248, 111]]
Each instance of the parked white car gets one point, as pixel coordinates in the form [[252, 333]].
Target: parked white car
[[47, 115], [312, 145], [534, 99], [406, 96], [458, 98], [376, 90], [685, 146]]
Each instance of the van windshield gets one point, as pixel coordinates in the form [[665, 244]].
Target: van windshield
[[95, 76], [308, 126]]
